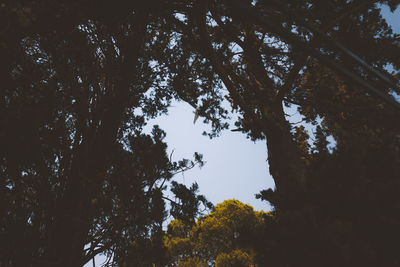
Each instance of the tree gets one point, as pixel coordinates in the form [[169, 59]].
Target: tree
[[268, 68], [255, 66], [76, 77], [79, 177], [236, 258], [227, 236], [186, 206]]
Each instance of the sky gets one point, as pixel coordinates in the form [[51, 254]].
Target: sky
[[236, 167], [392, 19]]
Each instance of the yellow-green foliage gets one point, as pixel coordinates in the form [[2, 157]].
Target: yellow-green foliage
[[220, 238], [192, 262], [177, 240], [237, 258]]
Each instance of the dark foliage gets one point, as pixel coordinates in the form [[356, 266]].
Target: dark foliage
[[79, 80]]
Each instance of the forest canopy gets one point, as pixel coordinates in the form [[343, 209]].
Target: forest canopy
[[79, 176]]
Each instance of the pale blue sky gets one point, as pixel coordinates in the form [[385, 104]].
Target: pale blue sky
[[392, 19], [235, 166]]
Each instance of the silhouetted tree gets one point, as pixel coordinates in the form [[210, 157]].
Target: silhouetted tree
[[81, 80], [334, 207], [78, 176]]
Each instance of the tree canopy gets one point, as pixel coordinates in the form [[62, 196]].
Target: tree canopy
[[228, 236], [79, 80]]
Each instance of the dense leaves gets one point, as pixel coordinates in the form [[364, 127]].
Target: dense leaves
[[79, 177], [186, 206], [228, 236]]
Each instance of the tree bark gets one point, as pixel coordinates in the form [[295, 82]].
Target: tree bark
[[284, 158], [286, 166]]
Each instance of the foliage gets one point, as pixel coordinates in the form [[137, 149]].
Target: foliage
[[79, 177], [236, 258], [325, 196], [228, 235], [186, 206]]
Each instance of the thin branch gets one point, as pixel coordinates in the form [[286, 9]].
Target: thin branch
[[170, 200]]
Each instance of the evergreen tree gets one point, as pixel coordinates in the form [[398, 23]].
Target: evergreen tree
[[80, 81]]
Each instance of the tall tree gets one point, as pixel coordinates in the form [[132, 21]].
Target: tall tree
[[275, 56], [264, 71], [76, 77], [79, 177]]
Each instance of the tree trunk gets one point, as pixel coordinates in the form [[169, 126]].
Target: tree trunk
[[284, 158]]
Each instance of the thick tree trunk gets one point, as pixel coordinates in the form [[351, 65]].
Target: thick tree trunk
[[284, 158], [286, 166]]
